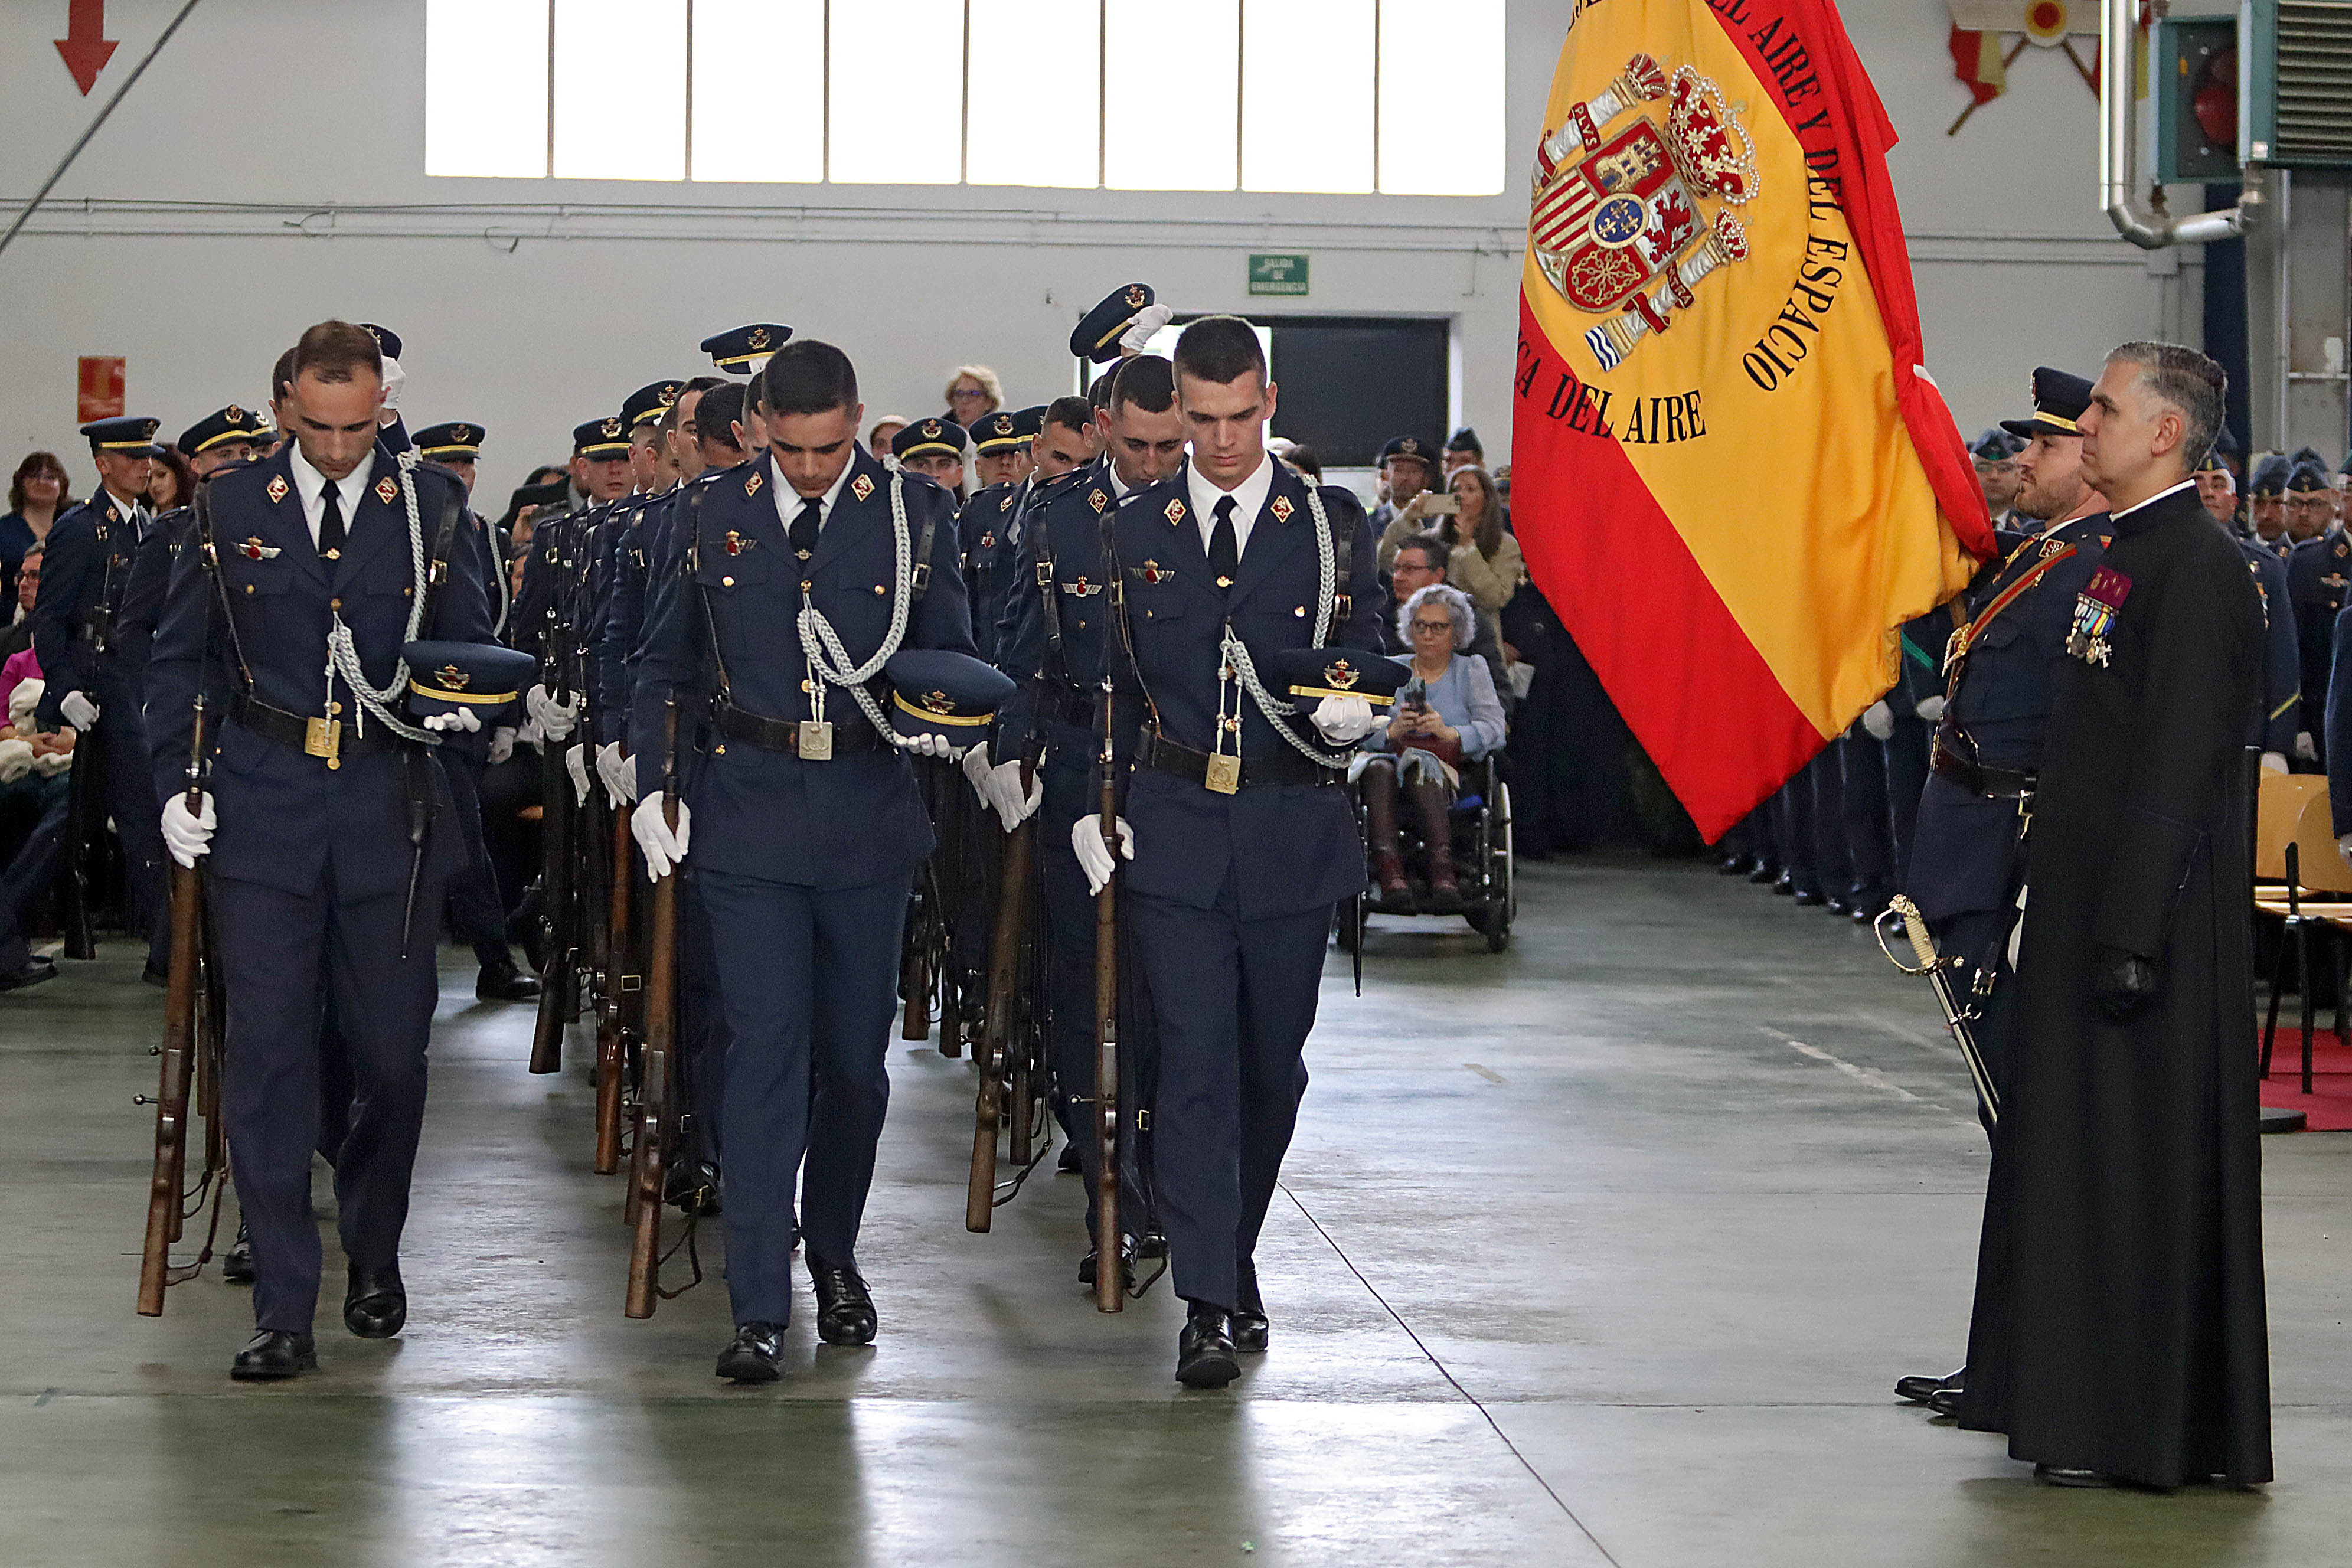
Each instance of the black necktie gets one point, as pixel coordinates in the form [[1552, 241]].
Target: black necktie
[[331, 525], [1224, 553], [803, 529]]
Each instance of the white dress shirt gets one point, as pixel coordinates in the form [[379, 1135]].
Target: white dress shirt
[[310, 485], [789, 501], [1249, 499], [2176, 489], [133, 512]]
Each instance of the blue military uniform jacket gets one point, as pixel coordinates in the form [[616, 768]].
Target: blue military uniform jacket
[[285, 815], [2281, 652], [737, 588], [615, 568], [1057, 622], [988, 533], [2316, 576], [1997, 712], [1284, 848], [85, 575]]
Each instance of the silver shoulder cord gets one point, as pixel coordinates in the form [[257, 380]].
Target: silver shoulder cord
[[1236, 653], [822, 645], [343, 656]]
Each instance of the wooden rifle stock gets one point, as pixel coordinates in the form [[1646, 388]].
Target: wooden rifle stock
[[178, 1059], [996, 1043], [612, 1025], [1110, 1282], [650, 1169]]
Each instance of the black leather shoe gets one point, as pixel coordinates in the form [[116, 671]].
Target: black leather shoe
[[1946, 1401], [1066, 1164], [375, 1304], [505, 984], [1205, 1349], [752, 1355], [236, 1263], [33, 973], [844, 1313], [1920, 1386], [1806, 900], [1737, 865], [1247, 1319], [1784, 886], [1836, 905], [2053, 1476], [275, 1355], [1087, 1265], [1765, 873]]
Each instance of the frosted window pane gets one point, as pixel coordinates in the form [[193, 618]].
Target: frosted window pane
[[1441, 98], [1171, 100], [758, 89], [897, 92], [620, 90], [1036, 68], [485, 88], [1307, 95]]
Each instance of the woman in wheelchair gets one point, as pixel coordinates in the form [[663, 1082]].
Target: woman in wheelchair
[[1446, 714]]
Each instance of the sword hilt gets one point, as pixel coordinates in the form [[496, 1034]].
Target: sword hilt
[[1906, 914]]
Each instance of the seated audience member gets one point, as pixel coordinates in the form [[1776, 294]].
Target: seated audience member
[[37, 496], [1447, 714], [1486, 563], [1420, 561], [34, 789], [18, 635]]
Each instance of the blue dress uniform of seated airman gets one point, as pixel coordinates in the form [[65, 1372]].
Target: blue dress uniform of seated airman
[[1967, 848], [1237, 869], [312, 863], [804, 862], [85, 571], [2317, 572]]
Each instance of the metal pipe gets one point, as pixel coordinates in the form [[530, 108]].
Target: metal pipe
[[2119, 147]]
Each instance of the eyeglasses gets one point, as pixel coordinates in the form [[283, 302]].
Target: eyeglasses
[[1445, 627], [969, 394]]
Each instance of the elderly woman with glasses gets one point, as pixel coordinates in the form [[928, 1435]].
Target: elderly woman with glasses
[[973, 393], [1447, 715]]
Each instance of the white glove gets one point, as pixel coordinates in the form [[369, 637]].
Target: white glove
[[1148, 320], [464, 721], [2274, 763], [999, 788], [1931, 709], [664, 849], [555, 719], [1344, 721], [530, 734], [575, 763], [619, 773], [1094, 854], [1878, 721], [502, 743], [82, 713], [933, 746], [189, 838], [15, 759], [395, 378], [2305, 746], [49, 764]]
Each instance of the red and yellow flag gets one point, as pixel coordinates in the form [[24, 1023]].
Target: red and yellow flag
[[1731, 477]]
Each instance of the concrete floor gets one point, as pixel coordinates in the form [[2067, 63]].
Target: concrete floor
[[1606, 1251]]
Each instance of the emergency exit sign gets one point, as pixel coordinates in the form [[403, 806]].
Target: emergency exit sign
[[1278, 275]]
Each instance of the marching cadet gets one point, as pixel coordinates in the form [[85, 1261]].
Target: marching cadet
[[327, 817], [933, 449], [987, 529], [1001, 442], [2273, 732], [1056, 644], [1067, 439], [600, 468], [1967, 846], [2316, 581], [803, 574], [2266, 505], [478, 906], [1239, 840], [219, 439], [85, 576]]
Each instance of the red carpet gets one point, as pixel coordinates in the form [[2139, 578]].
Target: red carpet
[[2329, 1103]]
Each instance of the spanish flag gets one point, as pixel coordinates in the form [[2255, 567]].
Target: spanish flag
[[1733, 478]]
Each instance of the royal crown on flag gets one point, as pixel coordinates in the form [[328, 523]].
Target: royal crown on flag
[[1617, 210]]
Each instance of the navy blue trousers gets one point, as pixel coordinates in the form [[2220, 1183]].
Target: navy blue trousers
[[1234, 1001], [808, 984], [702, 1032], [284, 958], [1972, 938], [35, 864], [477, 913]]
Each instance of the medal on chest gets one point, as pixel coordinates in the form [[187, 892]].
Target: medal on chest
[[2094, 615]]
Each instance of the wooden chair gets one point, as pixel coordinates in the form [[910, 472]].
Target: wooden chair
[[2278, 807], [2312, 866]]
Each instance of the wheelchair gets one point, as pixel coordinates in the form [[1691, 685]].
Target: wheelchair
[[1481, 824]]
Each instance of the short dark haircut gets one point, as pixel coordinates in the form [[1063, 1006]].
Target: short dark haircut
[[2195, 386], [715, 415], [40, 463], [1072, 412], [336, 351], [1220, 349], [1147, 381], [1433, 549], [806, 376], [281, 376], [703, 384], [1304, 459]]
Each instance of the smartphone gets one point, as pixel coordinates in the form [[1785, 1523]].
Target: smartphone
[[1441, 505]]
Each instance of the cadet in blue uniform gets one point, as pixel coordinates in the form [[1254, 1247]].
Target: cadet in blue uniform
[[987, 529], [803, 573], [2267, 506], [325, 814], [934, 449], [1242, 842], [1968, 848], [2316, 575], [1057, 642], [85, 577]]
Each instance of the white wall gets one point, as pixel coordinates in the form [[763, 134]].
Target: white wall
[[268, 171]]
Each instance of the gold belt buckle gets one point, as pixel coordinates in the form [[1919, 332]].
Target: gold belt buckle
[[1224, 774], [323, 738], [816, 740]]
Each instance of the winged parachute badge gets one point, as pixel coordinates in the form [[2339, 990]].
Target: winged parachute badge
[[737, 543], [254, 549], [1617, 212]]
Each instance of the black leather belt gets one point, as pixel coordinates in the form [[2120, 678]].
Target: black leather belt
[[784, 735], [1979, 779], [1161, 754], [332, 740]]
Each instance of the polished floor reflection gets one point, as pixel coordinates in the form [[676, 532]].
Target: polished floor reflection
[[1603, 1250]]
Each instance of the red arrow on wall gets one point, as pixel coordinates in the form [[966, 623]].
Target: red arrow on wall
[[85, 45]]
